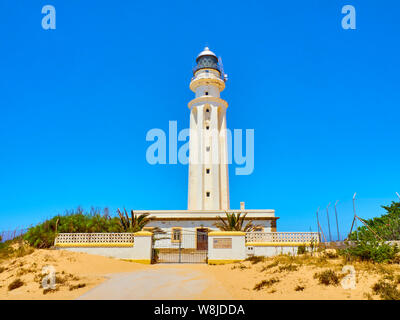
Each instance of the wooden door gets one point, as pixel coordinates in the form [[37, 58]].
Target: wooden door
[[202, 239]]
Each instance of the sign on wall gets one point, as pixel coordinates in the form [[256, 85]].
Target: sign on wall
[[222, 243]]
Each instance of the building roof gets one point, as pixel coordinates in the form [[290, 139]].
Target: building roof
[[262, 214]]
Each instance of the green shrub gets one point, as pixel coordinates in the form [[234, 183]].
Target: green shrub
[[301, 250], [370, 250], [43, 234], [5, 250], [387, 226]]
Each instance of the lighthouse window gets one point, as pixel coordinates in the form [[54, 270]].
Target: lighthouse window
[[207, 171], [208, 194], [207, 127], [206, 93], [207, 148], [207, 110]]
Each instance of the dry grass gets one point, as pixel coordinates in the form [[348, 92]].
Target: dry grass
[[15, 284], [327, 277], [255, 259], [77, 286], [239, 266], [386, 290], [288, 267], [270, 266], [265, 283]]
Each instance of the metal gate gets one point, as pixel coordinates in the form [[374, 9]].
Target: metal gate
[[179, 246]]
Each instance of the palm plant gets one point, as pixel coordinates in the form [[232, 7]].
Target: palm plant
[[235, 222], [134, 223]]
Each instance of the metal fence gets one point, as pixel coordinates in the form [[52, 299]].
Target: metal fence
[[184, 247]]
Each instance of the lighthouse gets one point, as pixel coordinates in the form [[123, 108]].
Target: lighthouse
[[208, 150]]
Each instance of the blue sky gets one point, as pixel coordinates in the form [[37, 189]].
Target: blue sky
[[76, 104]]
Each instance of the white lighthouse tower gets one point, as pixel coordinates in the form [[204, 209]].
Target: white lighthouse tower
[[208, 150]]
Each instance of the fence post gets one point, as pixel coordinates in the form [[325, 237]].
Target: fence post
[[142, 248]]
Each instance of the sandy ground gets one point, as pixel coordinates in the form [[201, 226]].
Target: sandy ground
[[85, 276]]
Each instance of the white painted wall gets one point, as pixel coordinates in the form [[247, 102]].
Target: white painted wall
[[237, 252], [269, 251], [208, 191], [119, 253], [141, 250]]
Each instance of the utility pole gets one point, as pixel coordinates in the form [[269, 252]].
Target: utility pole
[[329, 226], [319, 227], [355, 215], [337, 224]]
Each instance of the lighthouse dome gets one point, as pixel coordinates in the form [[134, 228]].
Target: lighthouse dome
[[206, 52], [206, 60]]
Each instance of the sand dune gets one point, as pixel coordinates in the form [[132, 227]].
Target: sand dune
[[78, 273]]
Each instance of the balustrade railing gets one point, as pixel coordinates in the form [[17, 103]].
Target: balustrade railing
[[94, 238], [282, 237]]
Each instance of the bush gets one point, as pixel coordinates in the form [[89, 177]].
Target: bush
[[371, 250], [387, 226], [43, 235], [15, 284], [301, 250], [327, 277], [386, 290]]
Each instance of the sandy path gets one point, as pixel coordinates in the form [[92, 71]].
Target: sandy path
[[158, 282]]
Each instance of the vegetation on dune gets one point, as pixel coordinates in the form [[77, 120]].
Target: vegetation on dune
[[387, 290], [78, 221], [255, 259], [299, 288], [369, 243], [371, 250], [265, 283], [387, 226], [16, 248], [43, 234], [327, 277], [15, 284]]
